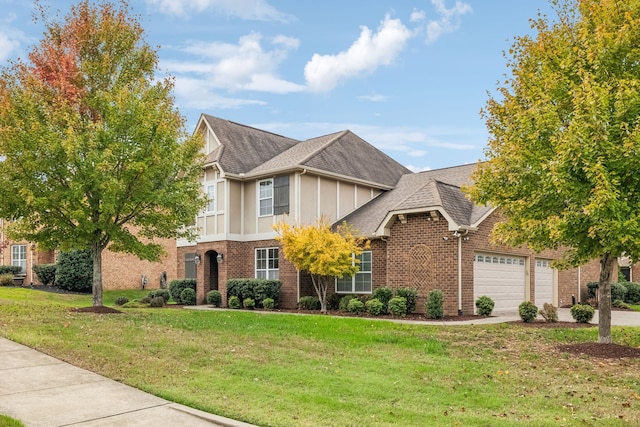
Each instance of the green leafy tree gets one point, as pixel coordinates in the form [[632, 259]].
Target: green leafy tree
[[564, 146], [324, 253], [93, 153]]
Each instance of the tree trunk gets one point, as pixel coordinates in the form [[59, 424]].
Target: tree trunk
[[320, 284], [96, 254], [604, 299]]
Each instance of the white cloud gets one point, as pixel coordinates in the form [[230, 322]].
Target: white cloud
[[7, 46], [197, 94], [374, 98], [236, 67], [418, 15], [365, 55], [449, 20], [255, 10]]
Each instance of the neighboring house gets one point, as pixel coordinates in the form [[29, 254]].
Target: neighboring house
[[425, 234], [119, 271]]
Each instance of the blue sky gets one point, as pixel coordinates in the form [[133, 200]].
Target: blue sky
[[410, 77]]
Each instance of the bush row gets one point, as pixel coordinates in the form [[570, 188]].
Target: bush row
[[628, 292], [255, 289]]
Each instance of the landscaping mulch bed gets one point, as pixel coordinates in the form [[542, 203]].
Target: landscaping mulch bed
[[602, 351], [96, 309]]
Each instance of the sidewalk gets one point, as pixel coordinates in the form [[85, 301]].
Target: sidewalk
[[42, 391]]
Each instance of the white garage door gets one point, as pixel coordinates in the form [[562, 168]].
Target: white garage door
[[500, 277], [544, 282]]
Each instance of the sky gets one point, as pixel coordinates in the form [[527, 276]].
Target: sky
[[408, 76]]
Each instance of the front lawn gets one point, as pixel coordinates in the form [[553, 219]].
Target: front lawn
[[292, 370]]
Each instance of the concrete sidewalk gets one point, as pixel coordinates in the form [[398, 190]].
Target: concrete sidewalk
[[42, 391]]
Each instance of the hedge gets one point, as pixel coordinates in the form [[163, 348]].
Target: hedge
[[256, 289]]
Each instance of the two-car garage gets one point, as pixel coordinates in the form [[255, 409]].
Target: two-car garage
[[503, 278]]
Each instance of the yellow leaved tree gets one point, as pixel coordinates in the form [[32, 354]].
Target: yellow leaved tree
[[323, 252]]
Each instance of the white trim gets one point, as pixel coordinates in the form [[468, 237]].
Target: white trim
[[267, 270], [353, 278]]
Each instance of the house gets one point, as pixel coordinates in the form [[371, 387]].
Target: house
[[425, 234], [119, 271]]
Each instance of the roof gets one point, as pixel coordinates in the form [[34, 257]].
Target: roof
[[422, 192], [252, 151], [243, 147]]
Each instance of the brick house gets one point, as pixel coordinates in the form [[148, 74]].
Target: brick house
[[425, 234], [119, 271]]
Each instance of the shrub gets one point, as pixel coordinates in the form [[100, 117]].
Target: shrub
[[234, 302], [397, 306], [145, 300], [162, 293], [582, 313], [633, 293], [309, 303], [74, 271], [344, 302], [549, 313], [374, 307], [435, 304], [188, 296], [333, 302], [528, 311], [592, 289], [177, 286], [46, 273], [618, 291], [249, 303], [6, 279], [384, 295], [621, 304], [410, 295], [485, 305], [256, 289], [214, 298], [10, 269], [355, 306], [122, 300], [135, 304], [268, 304], [157, 302]]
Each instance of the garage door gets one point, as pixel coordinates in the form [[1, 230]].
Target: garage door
[[500, 277], [544, 282]]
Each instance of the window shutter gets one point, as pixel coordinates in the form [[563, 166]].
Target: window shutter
[[281, 195]]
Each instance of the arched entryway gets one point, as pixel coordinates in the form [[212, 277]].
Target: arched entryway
[[211, 271]]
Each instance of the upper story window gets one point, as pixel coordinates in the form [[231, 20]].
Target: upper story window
[[19, 256], [273, 196], [211, 195], [361, 282]]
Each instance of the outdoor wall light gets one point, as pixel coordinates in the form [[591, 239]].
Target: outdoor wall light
[[219, 258], [196, 259]]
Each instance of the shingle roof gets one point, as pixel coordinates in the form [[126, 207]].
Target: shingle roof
[[252, 151], [243, 147], [431, 190]]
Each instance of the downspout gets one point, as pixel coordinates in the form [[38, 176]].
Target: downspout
[[460, 275], [579, 284]]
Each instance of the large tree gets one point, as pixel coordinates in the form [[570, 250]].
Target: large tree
[[323, 252], [93, 153], [564, 146]]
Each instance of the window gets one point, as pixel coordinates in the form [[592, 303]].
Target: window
[[211, 195], [190, 265], [273, 196], [19, 256], [265, 197], [361, 281], [267, 263]]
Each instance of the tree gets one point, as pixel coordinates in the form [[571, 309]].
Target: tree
[[93, 154], [322, 252], [564, 145]]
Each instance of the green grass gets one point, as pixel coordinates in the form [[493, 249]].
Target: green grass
[[6, 421], [290, 370]]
